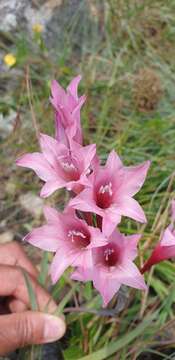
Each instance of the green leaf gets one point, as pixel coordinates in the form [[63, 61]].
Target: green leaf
[[72, 353], [44, 268], [31, 292], [112, 347], [65, 300], [88, 291]]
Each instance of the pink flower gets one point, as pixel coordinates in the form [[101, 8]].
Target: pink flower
[[112, 191], [59, 166], [113, 266], [164, 250], [67, 105], [70, 237]]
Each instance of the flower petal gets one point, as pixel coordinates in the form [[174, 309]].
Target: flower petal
[[61, 262], [73, 86], [88, 153], [131, 242], [113, 163], [51, 186], [130, 207], [44, 237], [51, 149], [85, 202], [82, 274], [84, 259], [111, 219], [127, 273], [38, 163], [134, 178], [105, 285], [168, 238], [97, 238], [58, 94], [52, 215], [164, 250]]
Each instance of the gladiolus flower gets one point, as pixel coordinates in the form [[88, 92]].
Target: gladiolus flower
[[67, 106], [60, 166], [113, 266], [70, 237], [111, 193], [164, 250]]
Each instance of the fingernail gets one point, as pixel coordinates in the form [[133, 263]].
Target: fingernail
[[54, 328]]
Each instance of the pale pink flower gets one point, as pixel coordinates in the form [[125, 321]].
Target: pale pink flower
[[70, 237], [59, 166], [67, 107], [164, 250], [113, 266], [112, 191]]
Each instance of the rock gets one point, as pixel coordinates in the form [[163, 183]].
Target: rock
[[41, 14], [32, 203], [73, 25], [56, 16], [6, 237], [10, 12]]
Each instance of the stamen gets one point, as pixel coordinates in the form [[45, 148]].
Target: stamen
[[106, 189], [68, 167], [107, 253], [72, 233]]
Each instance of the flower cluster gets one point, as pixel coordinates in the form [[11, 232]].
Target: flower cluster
[[85, 235]]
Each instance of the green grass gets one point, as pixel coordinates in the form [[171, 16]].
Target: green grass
[[136, 35]]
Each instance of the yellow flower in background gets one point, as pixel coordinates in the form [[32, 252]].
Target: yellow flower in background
[[38, 28], [10, 60]]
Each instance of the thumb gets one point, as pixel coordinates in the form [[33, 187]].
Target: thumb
[[27, 328]]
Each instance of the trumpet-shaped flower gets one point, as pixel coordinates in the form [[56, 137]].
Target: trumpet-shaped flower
[[59, 166], [70, 237], [113, 266], [67, 106], [112, 191], [164, 250]]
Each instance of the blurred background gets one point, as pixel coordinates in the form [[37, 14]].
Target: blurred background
[[125, 51]]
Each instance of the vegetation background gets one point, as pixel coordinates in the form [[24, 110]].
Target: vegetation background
[[125, 51]]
